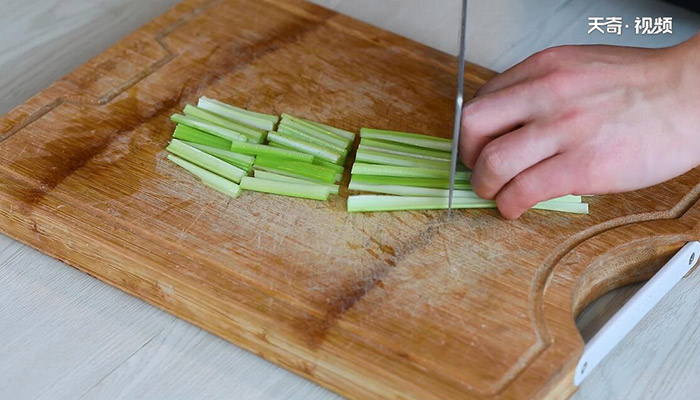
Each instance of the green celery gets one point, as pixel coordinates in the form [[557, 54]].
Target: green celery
[[409, 172], [303, 135], [401, 149], [310, 191], [400, 190], [340, 132], [299, 169], [413, 139], [212, 180], [208, 127], [305, 147], [265, 122], [339, 169], [270, 176], [256, 149], [257, 135], [242, 161], [323, 130], [376, 157], [372, 203], [312, 130], [192, 135], [404, 181], [206, 161]]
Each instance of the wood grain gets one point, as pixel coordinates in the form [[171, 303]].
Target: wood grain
[[284, 293]]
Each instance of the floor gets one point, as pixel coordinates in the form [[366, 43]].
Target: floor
[[65, 335]]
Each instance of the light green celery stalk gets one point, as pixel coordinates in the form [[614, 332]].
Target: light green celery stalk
[[305, 147], [337, 168], [208, 127], [413, 139], [265, 122], [368, 144], [374, 203], [375, 157], [310, 126], [242, 161], [310, 191], [256, 149], [212, 180], [206, 161], [256, 135], [286, 129], [192, 135], [404, 148], [295, 169], [417, 182], [408, 172], [270, 176], [340, 132]]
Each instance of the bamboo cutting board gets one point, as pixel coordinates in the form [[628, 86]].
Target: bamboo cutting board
[[393, 305]]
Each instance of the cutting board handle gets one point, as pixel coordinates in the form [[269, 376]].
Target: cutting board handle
[[612, 333]]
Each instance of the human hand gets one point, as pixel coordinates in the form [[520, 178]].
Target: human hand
[[584, 120]]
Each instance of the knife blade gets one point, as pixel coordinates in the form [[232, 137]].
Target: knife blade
[[459, 101]]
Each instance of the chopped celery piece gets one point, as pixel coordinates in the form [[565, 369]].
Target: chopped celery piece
[[377, 157], [206, 161], [305, 147], [270, 176], [299, 169], [409, 172], [265, 122], [399, 190], [304, 135], [257, 135], [256, 149], [242, 161], [364, 147], [371, 203], [413, 139], [212, 180], [324, 130], [208, 127], [192, 135], [335, 167], [404, 181], [394, 148], [340, 132], [314, 130], [310, 191]]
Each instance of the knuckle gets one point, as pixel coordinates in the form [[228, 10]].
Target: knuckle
[[523, 188], [494, 159]]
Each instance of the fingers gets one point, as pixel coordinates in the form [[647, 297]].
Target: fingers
[[507, 156], [532, 67], [549, 179], [490, 116]]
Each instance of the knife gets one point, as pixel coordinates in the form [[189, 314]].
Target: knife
[[459, 101]]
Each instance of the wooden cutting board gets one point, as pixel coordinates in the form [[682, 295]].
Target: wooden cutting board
[[393, 305]]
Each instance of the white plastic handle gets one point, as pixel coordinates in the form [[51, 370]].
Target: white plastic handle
[[635, 309]]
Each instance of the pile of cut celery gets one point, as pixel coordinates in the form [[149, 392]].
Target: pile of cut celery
[[412, 171], [223, 146]]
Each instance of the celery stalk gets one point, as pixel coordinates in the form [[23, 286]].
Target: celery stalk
[[265, 122], [375, 157], [339, 169], [404, 181], [192, 135], [372, 203], [399, 151], [242, 161], [340, 132], [299, 169], [208, 127], [206, 161], [256, 149], [305, 147], [286, 129], [270, 176], [404, 148], [311, 191], [409, 172], [312, 130], [257, 135], [310, 126], [413, 139], [415, 191], [212, 180]]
